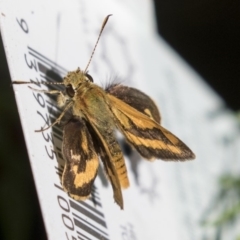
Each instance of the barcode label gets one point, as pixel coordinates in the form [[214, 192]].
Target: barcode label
[[87, 218]]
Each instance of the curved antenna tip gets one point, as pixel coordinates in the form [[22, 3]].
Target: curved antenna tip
[[100, 33]]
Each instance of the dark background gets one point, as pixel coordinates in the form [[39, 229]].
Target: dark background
[[206, 33]]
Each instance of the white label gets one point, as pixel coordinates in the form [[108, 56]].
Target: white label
[[165, 200]]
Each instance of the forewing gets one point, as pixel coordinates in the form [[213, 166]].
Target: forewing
[[112, 169], [81, 160], [136, 99], [149, 138]]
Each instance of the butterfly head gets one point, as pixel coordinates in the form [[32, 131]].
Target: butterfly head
[[73, 81], [76, 78]]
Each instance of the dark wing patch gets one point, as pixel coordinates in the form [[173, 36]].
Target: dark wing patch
[[81, 160], [149, 138], [136, 99]]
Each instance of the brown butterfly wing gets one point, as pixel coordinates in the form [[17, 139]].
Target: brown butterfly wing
[[149, 138], [136, 99], [81, 159]]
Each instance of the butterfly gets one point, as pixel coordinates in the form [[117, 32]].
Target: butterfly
[[89, 134]]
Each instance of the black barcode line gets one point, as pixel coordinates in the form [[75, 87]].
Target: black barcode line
[[89, 223], [58, 132], [60, 156], [59, 174], [89, 228], [59, 170], [57, 186], [47, 73], [49, 77], [80, 238], [87, 213], [81, 234], [59, 149], [91, 208], [59, 138]]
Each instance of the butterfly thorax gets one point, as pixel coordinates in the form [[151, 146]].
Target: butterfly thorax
[[75, 78], [90, 102]]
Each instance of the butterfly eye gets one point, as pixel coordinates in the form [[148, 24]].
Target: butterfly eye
[[89, 77], [69, 90]]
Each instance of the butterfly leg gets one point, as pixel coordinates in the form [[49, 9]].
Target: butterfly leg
[[58, 119]]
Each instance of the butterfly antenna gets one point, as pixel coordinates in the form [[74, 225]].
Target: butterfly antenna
[[43, 83], [103, 25]]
